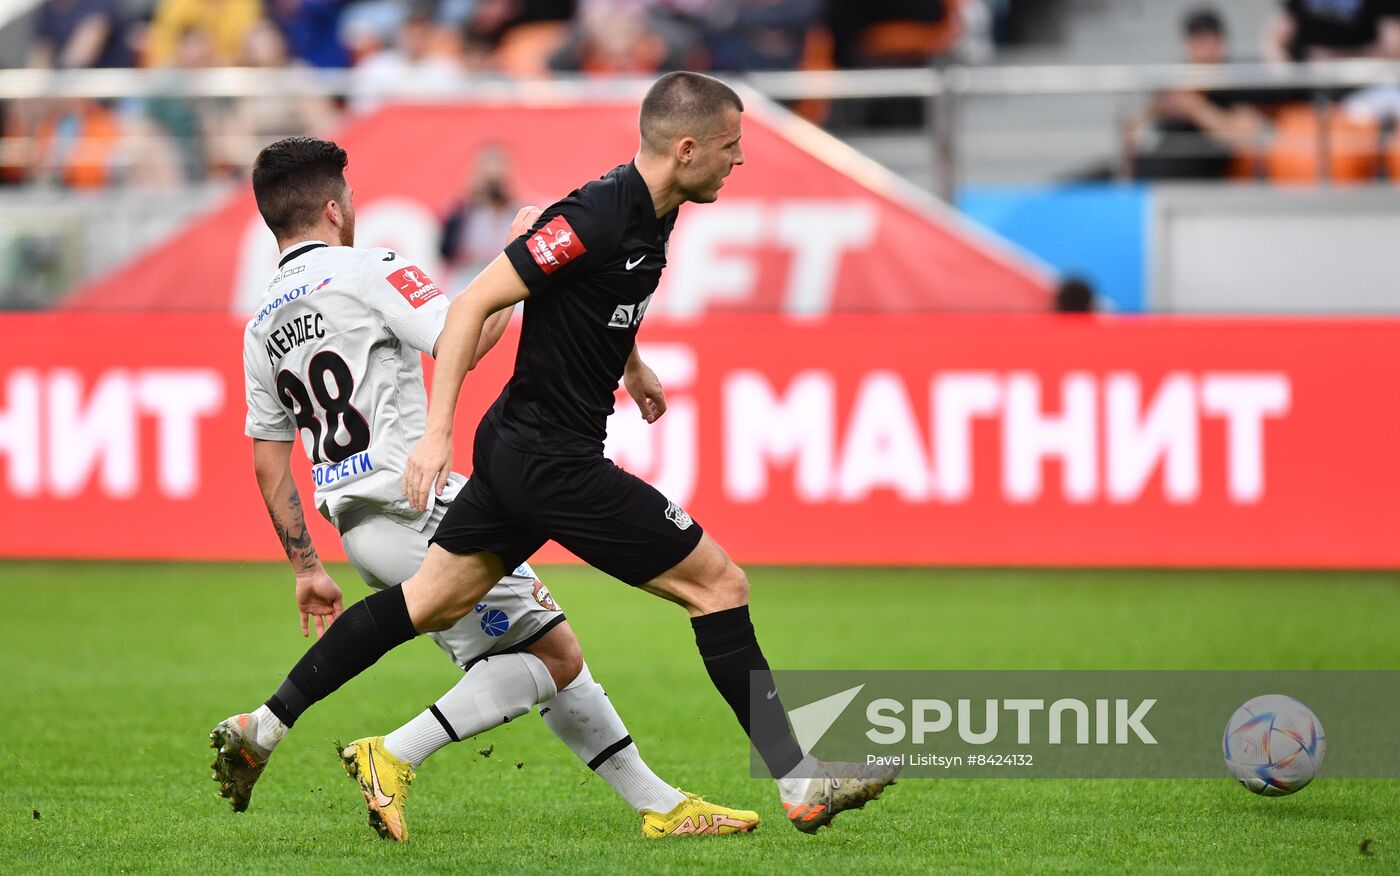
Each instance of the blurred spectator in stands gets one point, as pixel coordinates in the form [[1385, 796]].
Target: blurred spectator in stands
[[492, 20], [74, 34], [1075, 295], [147, 156], [1314, 30], [413, 66], [474, 227], [188, 121], [253, 122], [889, 33], [745, 35], [84, 144], [448, 40], [613, 37], [892, 33], [312, 30], [266, 46], [68, 142], [478, 58], [368, 27], [75, 145], [520, 35], [16, 128], [224, 25], [1189, 134], [1319, 30]]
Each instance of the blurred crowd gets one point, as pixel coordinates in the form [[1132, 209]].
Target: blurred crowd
[[392, 44], [429, 46], [1275, 134]]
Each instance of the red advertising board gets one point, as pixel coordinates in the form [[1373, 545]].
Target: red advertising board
[[1027, 440]]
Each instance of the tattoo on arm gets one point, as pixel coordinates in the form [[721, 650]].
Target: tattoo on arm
[[296, 538]]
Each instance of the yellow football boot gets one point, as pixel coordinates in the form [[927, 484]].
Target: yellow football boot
[[384, 780], [695, 816]]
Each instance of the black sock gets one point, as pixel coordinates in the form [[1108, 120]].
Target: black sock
[[727, 643], [366, 631]]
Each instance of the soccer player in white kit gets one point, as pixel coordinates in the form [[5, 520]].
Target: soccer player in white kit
[[332, 357]]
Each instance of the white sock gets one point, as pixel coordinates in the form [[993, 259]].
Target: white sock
[[495, 690], [584, 719], [793, 787], [270, 728]]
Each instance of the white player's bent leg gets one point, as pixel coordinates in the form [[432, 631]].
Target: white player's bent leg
[[584, 719], [494, 691]]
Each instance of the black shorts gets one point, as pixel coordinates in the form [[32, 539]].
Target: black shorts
[[516, 501]]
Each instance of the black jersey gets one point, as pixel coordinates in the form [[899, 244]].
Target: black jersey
[[1337, 24], [591, 262]]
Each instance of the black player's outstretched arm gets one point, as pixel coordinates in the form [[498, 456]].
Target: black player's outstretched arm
[[494, 289], [491, 333], [317, 594]]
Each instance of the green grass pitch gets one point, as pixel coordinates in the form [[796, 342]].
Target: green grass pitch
[[116, 672]]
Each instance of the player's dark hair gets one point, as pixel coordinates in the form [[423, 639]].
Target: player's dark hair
[[294, 178], [1203, 21], [683, 103]]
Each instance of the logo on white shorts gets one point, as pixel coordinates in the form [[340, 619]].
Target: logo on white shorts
[[495, 622], [676, 514]]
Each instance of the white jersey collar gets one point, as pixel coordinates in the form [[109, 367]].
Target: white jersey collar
[[297, 249]]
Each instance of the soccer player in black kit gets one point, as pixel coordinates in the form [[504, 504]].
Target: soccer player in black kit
[[586, 272]]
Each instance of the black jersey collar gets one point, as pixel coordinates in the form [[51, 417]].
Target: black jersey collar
[[299, 250], [642, 195]]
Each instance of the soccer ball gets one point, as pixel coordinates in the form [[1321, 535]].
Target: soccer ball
[[1274, 745]]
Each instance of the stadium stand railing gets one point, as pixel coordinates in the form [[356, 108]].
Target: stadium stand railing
[[1309, 141]]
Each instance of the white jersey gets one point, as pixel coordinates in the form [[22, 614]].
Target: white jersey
[[332, 355]]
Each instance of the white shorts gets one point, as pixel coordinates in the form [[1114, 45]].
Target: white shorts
[[514, 614]]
